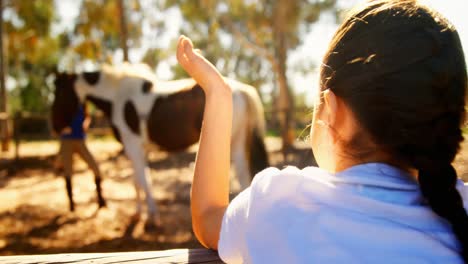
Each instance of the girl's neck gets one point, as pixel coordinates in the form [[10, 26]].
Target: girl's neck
[[344, 162]]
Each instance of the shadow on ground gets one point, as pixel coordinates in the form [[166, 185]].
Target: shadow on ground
[[34, 217]]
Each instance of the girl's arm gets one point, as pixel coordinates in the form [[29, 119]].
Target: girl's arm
[[210, 188], [87, 118]]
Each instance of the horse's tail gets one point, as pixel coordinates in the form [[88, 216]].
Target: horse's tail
[[256, 149], [258, 155]]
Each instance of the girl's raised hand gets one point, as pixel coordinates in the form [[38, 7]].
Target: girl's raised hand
[[198, 67], [210, 186]]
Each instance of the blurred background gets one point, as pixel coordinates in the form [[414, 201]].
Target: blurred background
[[276, 46]]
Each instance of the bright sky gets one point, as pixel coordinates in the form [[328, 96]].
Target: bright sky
[[310, 53]]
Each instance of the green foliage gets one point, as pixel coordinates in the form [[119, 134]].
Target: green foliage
[[153, 56], [31, 53], [98, 28], [35, 16]]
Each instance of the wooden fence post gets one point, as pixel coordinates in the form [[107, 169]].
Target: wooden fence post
[[16, 126], [4, 133]]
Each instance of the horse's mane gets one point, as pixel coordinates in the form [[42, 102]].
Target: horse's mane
[[124, 70]]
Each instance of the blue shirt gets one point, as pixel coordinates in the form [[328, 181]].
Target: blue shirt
[[77, 131], [369, 213]]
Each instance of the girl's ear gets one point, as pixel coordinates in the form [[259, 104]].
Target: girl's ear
[[331, 106]]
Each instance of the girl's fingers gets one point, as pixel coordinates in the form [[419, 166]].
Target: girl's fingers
[[180, 50], [188, 49], [188, 45], [193, 62], [185, 52]]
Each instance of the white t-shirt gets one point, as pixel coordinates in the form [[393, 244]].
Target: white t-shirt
[[370, 213]]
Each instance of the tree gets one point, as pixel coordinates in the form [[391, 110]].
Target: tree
[[102, 27], [123, 30], [32, 52], [3, 97]]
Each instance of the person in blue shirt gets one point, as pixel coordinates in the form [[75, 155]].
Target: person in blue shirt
[[385, 131], [72, 140]]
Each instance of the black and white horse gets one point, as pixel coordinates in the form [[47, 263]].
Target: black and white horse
[[169, 114]]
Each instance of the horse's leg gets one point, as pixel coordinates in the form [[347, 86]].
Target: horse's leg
[[153, 216], [138, 210], [88, 158], [136, 154]]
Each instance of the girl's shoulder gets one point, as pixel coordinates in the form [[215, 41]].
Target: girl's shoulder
[[275, 183]]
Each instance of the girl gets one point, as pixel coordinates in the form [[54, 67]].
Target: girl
[[72, 140], [385, 132]]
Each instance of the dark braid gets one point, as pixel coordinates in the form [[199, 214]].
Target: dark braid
[[400, 67], [439, 189], [438, 178]]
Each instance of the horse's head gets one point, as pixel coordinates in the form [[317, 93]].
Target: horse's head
[[115, 84], [110, 83], [93, 84], [65, 100]]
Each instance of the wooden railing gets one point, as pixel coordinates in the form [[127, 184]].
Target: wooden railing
[[167, 256]]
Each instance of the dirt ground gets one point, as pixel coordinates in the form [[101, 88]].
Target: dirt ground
[[34, 216]]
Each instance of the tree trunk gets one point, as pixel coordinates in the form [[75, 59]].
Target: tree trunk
[[285, 103], [123, 30], [285, 99], [3, 96]]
